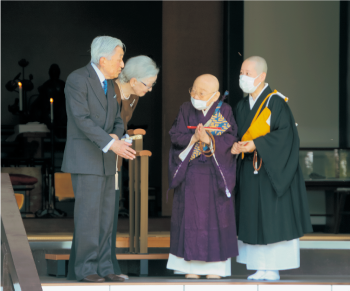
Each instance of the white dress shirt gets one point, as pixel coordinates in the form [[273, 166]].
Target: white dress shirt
[[102, 79]]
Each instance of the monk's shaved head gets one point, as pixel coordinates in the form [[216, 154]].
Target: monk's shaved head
[[259, 64], [206, 88], [208, 82]]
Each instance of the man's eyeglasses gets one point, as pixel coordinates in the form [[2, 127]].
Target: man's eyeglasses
[[148, 87], [199, 94]]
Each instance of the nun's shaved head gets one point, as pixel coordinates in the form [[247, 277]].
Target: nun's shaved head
[[259, 64]]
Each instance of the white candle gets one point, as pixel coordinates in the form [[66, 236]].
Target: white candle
[[20, 96], [51, 107]]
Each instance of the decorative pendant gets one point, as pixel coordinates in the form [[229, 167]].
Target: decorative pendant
[[256, 172], [132, 103]]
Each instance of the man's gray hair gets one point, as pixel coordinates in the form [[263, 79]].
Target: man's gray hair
[[103, 46], [260, 64], [140, 67]]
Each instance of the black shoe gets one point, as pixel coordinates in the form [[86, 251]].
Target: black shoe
[[114, 278], [93, 279]]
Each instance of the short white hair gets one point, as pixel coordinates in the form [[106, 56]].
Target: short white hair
[[103, 46], [260, 64], [140, 67]]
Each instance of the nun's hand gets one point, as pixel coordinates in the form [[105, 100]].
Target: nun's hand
[[246, 146]]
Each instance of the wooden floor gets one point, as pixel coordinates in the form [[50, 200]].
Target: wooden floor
[[161, 239], [180, 280]]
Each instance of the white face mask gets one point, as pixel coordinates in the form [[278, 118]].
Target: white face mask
[[247, 83], [200, 104]]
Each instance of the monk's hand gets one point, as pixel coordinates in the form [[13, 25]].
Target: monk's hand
[[246, 146], [123, 149], [235, 149], [196, 135], [203, 136]]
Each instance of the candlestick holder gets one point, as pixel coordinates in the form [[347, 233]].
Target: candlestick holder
[[21, 86]]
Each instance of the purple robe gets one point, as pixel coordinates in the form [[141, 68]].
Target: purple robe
[[203, 223]]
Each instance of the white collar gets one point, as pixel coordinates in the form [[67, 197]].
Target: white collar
[[99, 74], [205, 111], [252, 101]]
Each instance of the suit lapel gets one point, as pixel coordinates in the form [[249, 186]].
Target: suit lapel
[[97, 87], [243, 129]]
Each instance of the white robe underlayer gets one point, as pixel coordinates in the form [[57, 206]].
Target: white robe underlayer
[[180, 266], [283, 255]]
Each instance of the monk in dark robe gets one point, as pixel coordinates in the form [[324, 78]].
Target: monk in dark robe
[[203, 231], [271, 201]]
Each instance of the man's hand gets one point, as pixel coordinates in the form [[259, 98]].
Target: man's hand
[[235, 149], [122, 148], [246, 146], [203, 136]]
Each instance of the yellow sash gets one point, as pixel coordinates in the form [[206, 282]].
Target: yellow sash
[[259, 126]]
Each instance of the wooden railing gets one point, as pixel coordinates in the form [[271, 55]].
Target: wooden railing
[[138, 194], [19, 270]]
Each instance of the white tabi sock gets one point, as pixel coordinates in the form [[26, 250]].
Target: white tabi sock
[[271, 276], [258, 275]]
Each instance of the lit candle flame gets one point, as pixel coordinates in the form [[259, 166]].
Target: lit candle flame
[[19, 84], [51, 100]]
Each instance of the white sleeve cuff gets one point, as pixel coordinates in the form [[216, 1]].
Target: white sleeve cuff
[[184, 154], [108, 146]]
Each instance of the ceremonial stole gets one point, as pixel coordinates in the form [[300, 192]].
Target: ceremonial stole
[[260, 125], [217, 120]]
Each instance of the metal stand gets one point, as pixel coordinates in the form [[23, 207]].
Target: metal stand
[[27, 189], [50, 204]]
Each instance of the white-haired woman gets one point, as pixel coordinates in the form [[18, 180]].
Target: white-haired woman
[[137, 78]]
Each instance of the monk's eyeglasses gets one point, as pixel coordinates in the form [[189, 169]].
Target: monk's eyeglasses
[[199, 94], [148, 87]]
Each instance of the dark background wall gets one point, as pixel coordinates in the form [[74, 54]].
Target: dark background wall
[[192, 45], [61, 32]]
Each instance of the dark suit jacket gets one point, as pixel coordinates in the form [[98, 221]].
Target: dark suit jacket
[[91, 118]]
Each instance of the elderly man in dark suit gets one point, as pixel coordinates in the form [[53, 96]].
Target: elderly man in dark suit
[[94, 130]]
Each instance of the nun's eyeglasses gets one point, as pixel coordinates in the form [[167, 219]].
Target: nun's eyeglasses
[[148, 87]]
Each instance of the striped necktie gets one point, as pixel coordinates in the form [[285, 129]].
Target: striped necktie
[[105, 86]]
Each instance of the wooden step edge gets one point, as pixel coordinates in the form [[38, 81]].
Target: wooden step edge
[[65, 257], [325, 237], [165, 239]]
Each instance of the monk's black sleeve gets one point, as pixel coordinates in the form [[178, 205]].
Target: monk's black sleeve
[[279, 149]]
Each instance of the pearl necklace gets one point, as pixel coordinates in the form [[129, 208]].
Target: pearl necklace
[[121, 91]]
